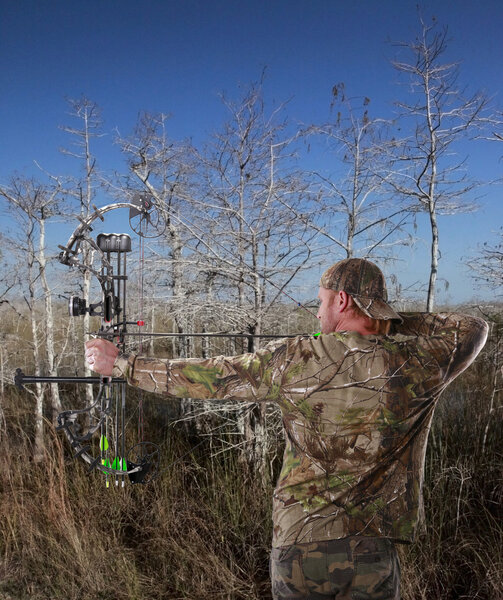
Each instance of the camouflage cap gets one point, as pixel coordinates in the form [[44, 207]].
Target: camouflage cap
[[364, 282]]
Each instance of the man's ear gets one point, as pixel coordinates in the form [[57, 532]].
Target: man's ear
[[343, 301]]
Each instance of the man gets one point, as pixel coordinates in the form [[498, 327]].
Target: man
[[357, 403]]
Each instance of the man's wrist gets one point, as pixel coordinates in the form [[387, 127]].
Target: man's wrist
[[121, 364]]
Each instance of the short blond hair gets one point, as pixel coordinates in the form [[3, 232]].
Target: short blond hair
[[380, 326]]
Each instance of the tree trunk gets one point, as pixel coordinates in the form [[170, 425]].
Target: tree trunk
[[434, 260], [39, 449], [49, 322], [2, 388]]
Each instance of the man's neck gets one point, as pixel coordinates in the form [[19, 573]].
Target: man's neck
[[364, 326]]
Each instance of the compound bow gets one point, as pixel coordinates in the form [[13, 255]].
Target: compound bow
[[140, 462]]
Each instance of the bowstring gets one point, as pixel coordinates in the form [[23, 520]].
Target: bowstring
[[141, 431]]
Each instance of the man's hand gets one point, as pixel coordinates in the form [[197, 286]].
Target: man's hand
[[101, 355]]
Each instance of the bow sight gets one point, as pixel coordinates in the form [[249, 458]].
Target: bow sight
[[107, 243]]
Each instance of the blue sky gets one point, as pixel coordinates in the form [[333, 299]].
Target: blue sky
[[177, 56]]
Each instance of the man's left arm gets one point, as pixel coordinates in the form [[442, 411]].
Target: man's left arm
[[248, 377]]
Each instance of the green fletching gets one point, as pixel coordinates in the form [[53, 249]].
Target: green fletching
[[316, 334], [119, 464], [103, 443], [105, 462]]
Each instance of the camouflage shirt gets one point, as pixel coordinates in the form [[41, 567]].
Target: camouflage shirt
[[356, 412]]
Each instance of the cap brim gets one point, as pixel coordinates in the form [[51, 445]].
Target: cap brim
[[377, 309]]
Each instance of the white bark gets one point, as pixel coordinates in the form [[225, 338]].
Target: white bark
[[89, 126], [38, 453], [426, 174], [49, 320]]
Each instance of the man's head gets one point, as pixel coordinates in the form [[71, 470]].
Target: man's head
[[354, 298]]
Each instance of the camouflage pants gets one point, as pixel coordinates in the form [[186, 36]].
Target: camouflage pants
[[353, 568]]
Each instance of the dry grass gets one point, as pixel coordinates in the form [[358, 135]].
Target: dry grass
[[203, 530]]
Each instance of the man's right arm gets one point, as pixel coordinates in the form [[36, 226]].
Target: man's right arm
[[454, 338]]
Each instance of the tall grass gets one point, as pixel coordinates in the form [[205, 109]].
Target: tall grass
[[202, 530], [460, 555]]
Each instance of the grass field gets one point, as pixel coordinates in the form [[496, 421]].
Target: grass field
[[202, 531]]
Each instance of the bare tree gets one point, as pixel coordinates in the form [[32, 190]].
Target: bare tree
[[162, 168], [427, 174], [86, 116], [487, 266], [9, 277], [226, 229], [351, 206], [247, 245], [254, 248], [9, 280], [32, 204]]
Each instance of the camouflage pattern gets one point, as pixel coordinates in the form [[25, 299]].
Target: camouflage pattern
[[356, 412], [365, 282], [356, 568]]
